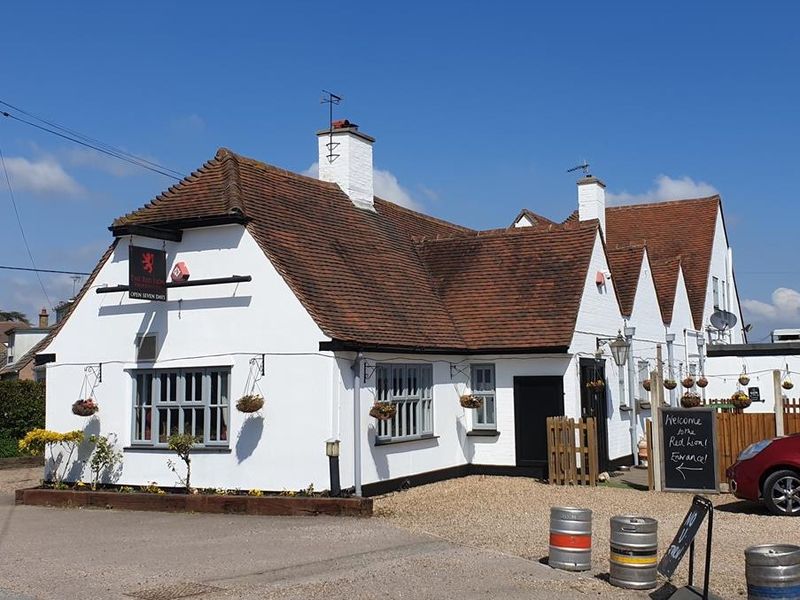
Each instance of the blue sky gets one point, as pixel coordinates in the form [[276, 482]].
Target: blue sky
[[478, 110]]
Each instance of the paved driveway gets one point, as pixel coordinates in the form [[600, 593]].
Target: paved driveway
[[70, 553]]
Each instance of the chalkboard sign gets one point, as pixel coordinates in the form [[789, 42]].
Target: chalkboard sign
[[686, 533], [754, 394], [688, 457]]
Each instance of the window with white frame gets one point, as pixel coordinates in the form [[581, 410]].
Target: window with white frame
[[715, 291], [483, 386], [193, 401], [410, 386]]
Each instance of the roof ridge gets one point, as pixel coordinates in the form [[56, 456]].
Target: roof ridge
[[487, 234], [713, 198], [424, 216], [232, 191]]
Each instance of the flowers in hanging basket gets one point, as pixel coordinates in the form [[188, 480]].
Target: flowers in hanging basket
[[740, 399], [595, 384], [688, 382], [84, 408], [787, 384], [471, 401], [250, 403], [690, 400], [646, 384], [670, 384], [702, 382], [744, 379], [383, 411]]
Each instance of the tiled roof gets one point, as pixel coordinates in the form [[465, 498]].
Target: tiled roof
[[680, 231], [626, 266], [392, 278], [6, 326]]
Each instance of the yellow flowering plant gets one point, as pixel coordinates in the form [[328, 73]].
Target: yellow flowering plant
[[37, 441]]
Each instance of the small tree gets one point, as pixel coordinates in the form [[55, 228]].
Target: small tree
[[104, 458], [37, 441], [182, 444]]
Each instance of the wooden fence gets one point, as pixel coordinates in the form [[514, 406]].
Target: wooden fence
[[791, 415], [572, 451], [736, 431]]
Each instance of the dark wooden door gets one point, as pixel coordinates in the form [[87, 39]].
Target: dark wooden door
[[594, 403], [535, 399]]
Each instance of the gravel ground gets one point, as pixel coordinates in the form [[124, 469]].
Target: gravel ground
[[14, 479], [511, 514]]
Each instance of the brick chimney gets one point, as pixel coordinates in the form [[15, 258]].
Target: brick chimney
[[44, 319], [345, 158], [592, 200]]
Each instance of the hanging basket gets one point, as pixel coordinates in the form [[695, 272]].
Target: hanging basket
[[383, 411], [702, 382], [85, 408], [744, 379], [596, 384], [787, 384], [670, 384], [250, 403], [470, 401], [646, 384], [688, 382], [740, 400], [690, 400]]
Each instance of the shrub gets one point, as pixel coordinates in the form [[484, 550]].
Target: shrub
[[21, 407], [8, 446], [37, 441], [105, 457], [182, 444]]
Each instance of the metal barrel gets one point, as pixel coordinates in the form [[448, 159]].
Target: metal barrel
[[634, 552], [570, 538], [772, 571]]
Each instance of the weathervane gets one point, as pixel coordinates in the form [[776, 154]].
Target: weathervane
[[330, 99], [584, 166]]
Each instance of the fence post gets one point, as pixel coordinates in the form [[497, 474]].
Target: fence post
[[777, 390], [657, 380]]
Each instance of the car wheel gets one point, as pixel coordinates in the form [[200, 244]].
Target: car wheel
[[782, 493]]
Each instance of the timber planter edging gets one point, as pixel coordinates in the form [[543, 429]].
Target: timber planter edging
[[199, 503]]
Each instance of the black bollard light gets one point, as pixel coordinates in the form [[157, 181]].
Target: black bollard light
[[332, 450]]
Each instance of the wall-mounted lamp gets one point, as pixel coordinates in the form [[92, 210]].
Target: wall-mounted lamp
[[619, 348]]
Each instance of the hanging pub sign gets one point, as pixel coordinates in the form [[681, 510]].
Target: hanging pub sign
[[147, 274]]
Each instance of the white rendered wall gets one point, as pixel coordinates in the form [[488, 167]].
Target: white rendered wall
[[23, 340], [719, 269], [222, 325], [599, 316]]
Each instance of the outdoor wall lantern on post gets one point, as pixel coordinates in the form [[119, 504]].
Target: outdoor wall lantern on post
[[332, 451], [619, 348]]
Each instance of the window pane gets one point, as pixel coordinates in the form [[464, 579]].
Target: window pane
[[223, 424], [163, 425], [212, 435], [214, 388], [199, 424]]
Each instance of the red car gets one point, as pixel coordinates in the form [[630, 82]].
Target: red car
[[769, 471]]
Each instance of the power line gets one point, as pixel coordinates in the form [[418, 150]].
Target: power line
[[43, 270], [92, 143], [21, 229]]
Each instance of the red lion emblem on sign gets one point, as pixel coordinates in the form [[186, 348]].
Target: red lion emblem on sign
[[147, 261]]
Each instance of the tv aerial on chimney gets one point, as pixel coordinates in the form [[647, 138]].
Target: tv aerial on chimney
[[584, 166], [330, 99]]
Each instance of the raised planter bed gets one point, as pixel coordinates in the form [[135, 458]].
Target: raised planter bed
[[200, 503]]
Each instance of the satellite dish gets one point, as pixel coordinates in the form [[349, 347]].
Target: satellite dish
[[722, 320]]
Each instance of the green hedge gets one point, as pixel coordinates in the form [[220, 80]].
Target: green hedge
[[21, 409]]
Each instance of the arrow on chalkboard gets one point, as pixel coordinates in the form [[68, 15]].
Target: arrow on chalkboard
[[681, 470]]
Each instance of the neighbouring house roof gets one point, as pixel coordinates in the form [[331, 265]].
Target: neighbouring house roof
[[6, 326], [679, 232], [533, 218], [393, 278]]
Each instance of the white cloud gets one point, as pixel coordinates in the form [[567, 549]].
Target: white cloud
[[41, 176], [666, 188], [385, 184], [784, 308], [23, 293], [193, 123], [86, 157]]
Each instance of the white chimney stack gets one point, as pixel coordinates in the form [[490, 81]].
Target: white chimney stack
[[345, 158], [592, 200]]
